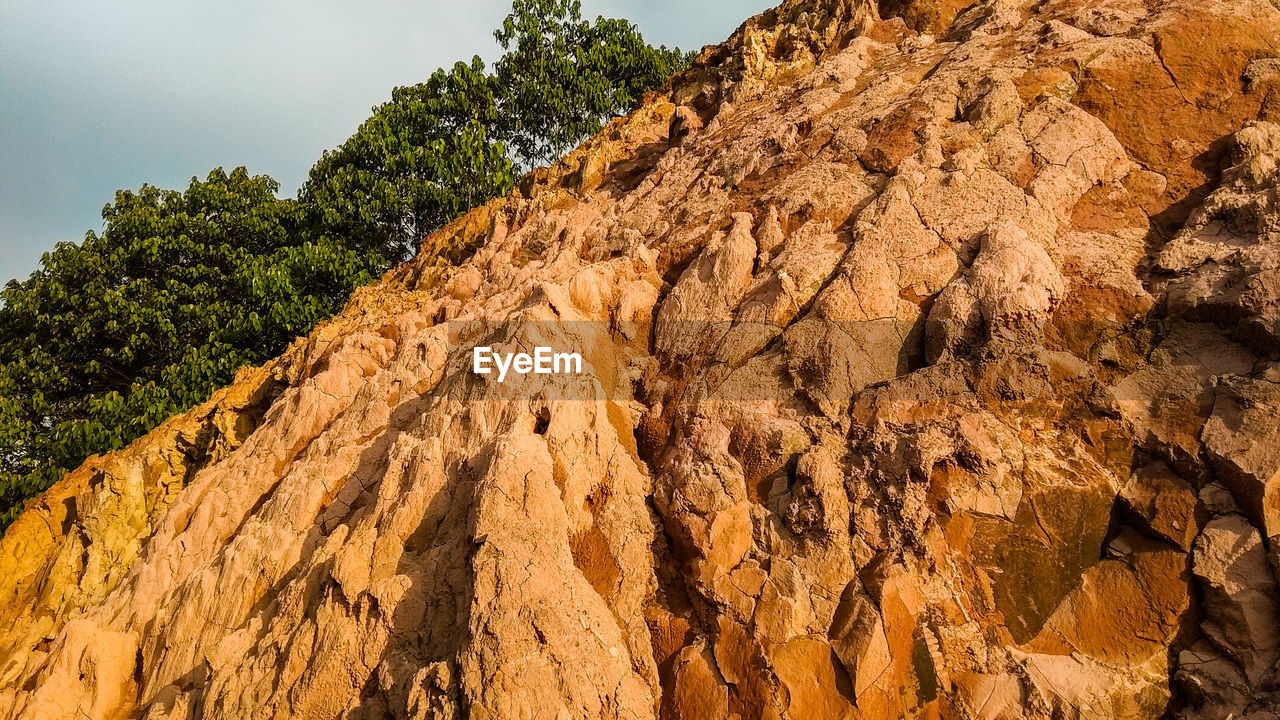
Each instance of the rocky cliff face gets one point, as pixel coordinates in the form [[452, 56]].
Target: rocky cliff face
[[930, 371]]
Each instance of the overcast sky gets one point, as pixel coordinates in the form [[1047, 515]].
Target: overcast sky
[[96, 96]]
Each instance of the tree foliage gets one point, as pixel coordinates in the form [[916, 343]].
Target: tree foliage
[[442, 147], [111, 336], [420, 161], [181, 289], [561, 78]]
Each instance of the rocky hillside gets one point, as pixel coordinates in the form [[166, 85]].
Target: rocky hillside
[[931, 371]]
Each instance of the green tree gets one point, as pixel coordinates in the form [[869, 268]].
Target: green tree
[[561, 78], [112, 336], [420, 161], [442, 147]]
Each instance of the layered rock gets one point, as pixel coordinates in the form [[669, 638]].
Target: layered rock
[[926, 375]]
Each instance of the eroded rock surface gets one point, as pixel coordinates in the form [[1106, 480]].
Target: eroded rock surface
[[932, 369]]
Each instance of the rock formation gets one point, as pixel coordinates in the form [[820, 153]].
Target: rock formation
[[932, 370]]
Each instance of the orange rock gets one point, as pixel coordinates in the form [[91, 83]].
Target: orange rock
[[807, 669], [927, 346]]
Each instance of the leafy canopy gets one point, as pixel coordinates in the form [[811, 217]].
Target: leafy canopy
[[561, 78], [442, 147], [420, 161], [181, 289], [111, 337]]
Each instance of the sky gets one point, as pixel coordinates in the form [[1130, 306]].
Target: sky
[[99, 96]]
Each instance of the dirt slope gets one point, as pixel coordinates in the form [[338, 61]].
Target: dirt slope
[[931, 371]]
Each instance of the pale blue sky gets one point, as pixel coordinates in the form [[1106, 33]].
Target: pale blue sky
[[96, 96]]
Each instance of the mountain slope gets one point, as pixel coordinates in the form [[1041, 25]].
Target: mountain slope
[[930, 372]]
